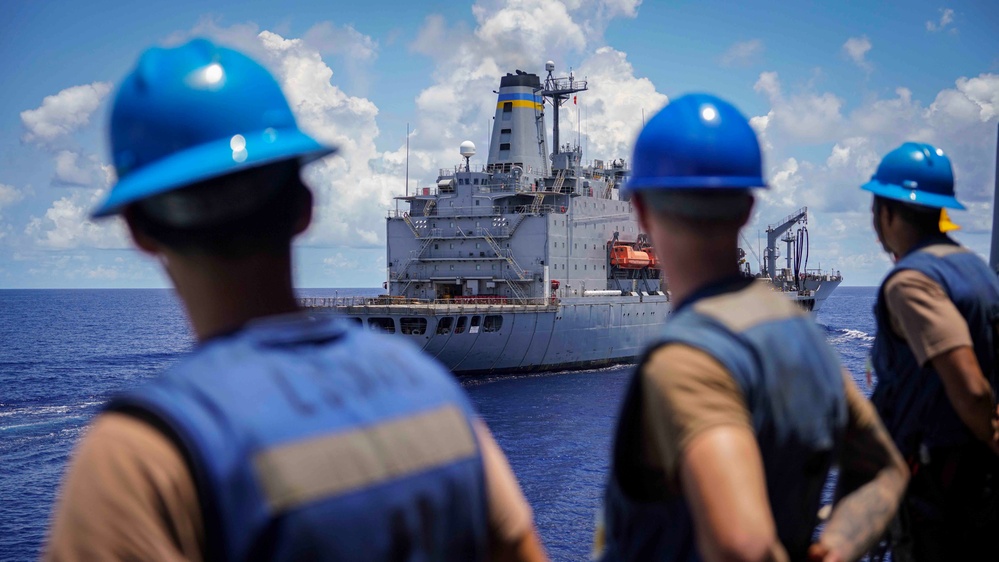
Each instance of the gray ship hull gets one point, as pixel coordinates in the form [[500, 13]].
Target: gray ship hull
[[480, 339]]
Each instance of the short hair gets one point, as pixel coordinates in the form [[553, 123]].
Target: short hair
[[233, 216], [926, 220], [715, 205]]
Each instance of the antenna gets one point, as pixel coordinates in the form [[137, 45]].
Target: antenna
[[407, 159], [467, 150]]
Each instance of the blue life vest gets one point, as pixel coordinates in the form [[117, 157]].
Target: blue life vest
[[311, 440], [793, 386], [910, 398]]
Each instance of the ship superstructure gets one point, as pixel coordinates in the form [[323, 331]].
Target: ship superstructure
[[808, 287], [528, 262]]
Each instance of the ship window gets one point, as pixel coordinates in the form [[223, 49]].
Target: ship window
[[413, 326], [460, 328], [477, 244], [452, 267], [584, 267], [436, 247], [451, 245], [575, 266], [478, 266], [492, 323], [386, 325], [507, 107], [475, 325], [435, 268], [505, 146], [493, 266], [506, 131], [444, 326]]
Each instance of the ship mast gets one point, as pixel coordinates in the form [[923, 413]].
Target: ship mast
[[556, 92]]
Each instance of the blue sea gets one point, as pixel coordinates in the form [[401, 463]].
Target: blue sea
[[63, 353]]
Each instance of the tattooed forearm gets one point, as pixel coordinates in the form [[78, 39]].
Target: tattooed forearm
[[872, 480]]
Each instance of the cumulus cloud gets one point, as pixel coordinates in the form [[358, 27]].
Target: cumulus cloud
[[63, 113], [946, 19], [8, 196], [806, 117], [521, 34], [962, 120], [743, 54], [66, 225], [857, 48]]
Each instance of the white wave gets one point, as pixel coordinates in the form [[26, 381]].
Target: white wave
[[48, 410], [852, 335]]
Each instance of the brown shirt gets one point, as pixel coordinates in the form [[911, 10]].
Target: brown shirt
[[687, 392], [921, 313], [128, 495]]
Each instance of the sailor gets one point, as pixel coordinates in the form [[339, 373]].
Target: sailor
[[934, 358], [733, 419], [281, 436]]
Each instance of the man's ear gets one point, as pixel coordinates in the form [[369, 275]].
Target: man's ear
[[744, 218], [304, 213], [142, 240], [641, 211]]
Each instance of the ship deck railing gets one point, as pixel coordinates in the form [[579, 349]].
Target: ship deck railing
[[404, 305], [480, 211]]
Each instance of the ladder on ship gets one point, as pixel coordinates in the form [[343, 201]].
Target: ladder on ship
[[521, 274], [559, 181], [430, 207], [413, 259], [409, 222], [539, 200]]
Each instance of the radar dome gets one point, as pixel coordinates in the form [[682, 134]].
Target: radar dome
[[550, 66], [467, 149]]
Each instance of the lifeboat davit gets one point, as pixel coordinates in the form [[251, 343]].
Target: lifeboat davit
[[626, 257]]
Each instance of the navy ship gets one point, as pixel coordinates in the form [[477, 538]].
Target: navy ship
[[532, 261], [809, 288]]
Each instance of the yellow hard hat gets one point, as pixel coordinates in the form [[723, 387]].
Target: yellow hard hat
[[946, 225]]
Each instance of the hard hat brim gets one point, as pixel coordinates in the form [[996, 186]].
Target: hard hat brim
[[211, 160], [914, 196], [694, 182]]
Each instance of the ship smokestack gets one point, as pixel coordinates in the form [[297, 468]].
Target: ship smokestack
[[518, 136]]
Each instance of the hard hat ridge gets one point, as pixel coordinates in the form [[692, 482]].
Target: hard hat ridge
[[916, 173], [194, 112], [697, 141]]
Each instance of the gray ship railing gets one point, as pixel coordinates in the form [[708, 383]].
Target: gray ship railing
[[458, 212], [403, 305]]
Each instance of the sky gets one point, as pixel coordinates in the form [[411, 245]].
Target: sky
[[830, 87]]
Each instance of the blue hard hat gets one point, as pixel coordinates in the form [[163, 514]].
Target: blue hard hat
[[698, 141], [195, 112], [916, 173]]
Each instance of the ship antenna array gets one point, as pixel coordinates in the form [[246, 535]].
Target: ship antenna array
[[557, 91]]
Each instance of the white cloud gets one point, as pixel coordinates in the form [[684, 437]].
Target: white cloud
[[66, 224], [805, 117], [63, 113], [743, 54], [9, 195], [338, 261], [946, 18], [857, 48], [69, 171]]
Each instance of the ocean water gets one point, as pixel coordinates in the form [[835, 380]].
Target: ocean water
[[63, 353]]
